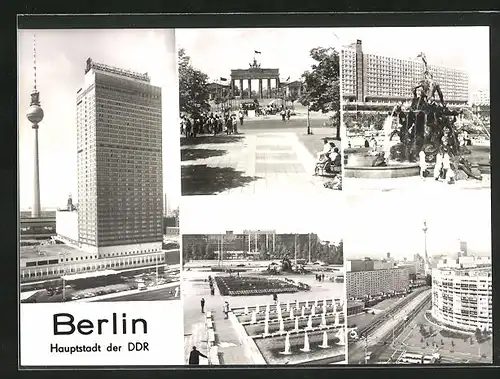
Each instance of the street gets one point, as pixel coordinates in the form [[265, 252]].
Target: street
[[357, 349], [268, 155], [147, 295]]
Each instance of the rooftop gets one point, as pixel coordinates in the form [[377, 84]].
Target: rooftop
[[115, 70], [48, 251]]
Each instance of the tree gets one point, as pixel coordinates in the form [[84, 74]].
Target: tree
[[478, 334], [322, 84], [193, 87]]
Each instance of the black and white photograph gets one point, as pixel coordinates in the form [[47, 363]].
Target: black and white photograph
[[262, 290], [99, 166], [418, 280], [416, 108], [259, 111]]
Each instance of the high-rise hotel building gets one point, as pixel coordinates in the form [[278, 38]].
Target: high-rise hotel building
[[119, 146], [371, 82]]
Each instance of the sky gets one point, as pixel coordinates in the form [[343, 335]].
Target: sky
[[465, 48], [217, 51], [217, 214], [61, 58], [392, 222]]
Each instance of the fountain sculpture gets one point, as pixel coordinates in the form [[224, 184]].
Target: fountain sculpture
[[246, 309], [324, 345], [266, 328], [306, 348], [282, 326], [323, 320], [303, 312], [254, 317], [291, 314], [313, 310], [425, 124], [296, 324], [337, 319], [287, 345], [309, 323], [341, 336]]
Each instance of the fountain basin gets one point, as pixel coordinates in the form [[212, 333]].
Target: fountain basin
[[359, 165], [395, 171], [484, 168]]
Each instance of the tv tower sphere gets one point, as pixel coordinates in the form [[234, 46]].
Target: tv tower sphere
[[35, 111]]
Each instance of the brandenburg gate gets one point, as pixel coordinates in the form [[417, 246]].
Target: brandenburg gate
[[255, 73]]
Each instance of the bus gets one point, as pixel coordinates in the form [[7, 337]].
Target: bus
[[410, 358]]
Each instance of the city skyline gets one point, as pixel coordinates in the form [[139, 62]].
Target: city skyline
[[463, 48], [284, 48], [393, 224], [61, 57], [223, 213]]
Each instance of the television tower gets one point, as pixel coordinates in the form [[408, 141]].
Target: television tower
[[426, 258], [35, 116]]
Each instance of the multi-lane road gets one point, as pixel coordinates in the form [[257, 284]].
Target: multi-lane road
[[384, 325]]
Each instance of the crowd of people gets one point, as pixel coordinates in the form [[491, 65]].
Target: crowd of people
[[211, 123], [225, 121]]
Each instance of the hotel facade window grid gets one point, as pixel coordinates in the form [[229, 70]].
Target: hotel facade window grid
[[119, 143], [373, 282], [375, 78]]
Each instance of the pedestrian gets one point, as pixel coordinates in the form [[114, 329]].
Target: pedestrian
[[422, 163], [225, 308], [275, 298], [194, 356], [288, 113], [241, 116], [202, 303], [283, 115], [212, 291], [235, 125]]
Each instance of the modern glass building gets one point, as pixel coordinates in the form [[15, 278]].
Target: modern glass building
[[119, 146]]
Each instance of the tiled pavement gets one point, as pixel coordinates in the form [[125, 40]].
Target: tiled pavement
[[278, 161]]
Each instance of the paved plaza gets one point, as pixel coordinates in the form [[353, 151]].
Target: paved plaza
[[417, 184], [267, 156], [231, 346]]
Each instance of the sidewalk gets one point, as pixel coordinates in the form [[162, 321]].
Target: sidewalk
[[232, 350]]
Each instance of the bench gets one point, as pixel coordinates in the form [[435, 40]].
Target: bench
[[211, 336]]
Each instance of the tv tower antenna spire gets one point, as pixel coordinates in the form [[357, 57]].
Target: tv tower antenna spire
[[34, 62]]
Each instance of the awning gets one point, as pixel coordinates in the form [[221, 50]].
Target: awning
[[86, 275]]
